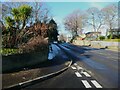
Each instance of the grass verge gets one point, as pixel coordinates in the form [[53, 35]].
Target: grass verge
[[112, 40], [9, 51]]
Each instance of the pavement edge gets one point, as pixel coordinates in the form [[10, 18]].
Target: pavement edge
[[38, 79]]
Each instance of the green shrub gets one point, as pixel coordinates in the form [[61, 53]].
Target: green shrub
[[9, 51], [101, 37], [113, 36], [109, 36]]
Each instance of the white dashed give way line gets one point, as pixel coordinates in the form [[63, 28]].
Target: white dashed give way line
[[73, 67], [86, 74], [78, 74], [86, 84], [97, 85]]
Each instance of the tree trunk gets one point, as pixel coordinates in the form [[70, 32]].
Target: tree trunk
[[94, 23], [111, 31], [24, 22]]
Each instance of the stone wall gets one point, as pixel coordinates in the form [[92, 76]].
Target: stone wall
[[100, 44], [104, 44], [82, 42]]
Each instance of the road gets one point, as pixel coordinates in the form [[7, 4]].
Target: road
[[92, 68]]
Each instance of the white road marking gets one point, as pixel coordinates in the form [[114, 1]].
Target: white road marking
[[78, 67], [97, 85], [86, 74], [78, 74], [75, 64], [73, 67], [86, 84]]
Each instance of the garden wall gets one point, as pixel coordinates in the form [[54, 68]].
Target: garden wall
[[18, 61]]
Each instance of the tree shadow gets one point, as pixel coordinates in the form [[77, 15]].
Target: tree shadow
[[77, 51]]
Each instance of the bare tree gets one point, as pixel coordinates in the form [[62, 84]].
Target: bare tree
[[40, 11], [37, 11], [95, 18], [75, 22], [111, 16]]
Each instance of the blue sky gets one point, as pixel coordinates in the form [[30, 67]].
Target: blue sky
[[60, 10]]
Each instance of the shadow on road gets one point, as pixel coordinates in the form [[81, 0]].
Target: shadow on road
[[76, 51]]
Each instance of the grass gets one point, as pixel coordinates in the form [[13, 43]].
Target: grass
[[8, 51], [112, 40]]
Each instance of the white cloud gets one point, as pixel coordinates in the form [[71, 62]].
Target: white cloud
[[94, 4]]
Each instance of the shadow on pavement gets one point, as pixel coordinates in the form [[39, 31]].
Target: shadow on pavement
[[57, 60], [16, 76]]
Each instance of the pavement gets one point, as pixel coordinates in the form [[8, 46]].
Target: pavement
[[58, 62]]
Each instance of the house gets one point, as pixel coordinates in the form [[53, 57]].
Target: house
[[92, 35], [82, 36], [114, 31]]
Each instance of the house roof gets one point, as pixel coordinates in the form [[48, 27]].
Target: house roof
[[115, 30], [93, 33]]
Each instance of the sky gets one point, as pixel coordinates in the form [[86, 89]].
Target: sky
[[61, 8], [62, 0]]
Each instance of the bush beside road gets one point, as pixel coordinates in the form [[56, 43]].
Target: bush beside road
[[112, 40]]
